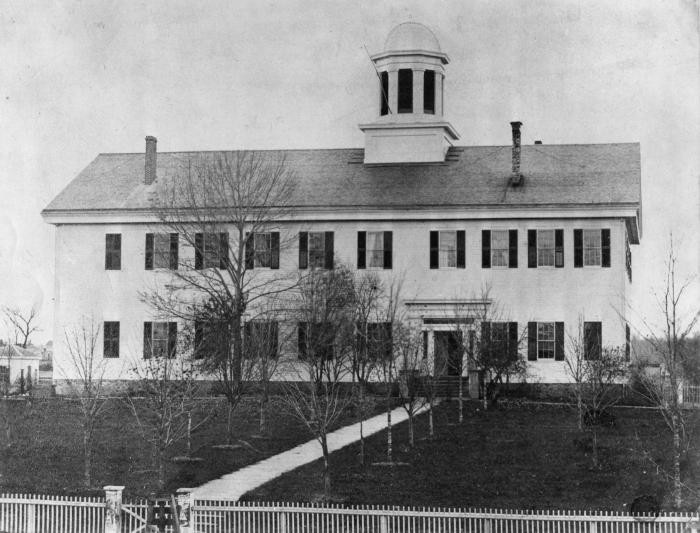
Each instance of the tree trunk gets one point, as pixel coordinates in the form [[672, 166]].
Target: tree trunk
[[461, 400], [161, 468], [389, 451], [410, 429], [594, 445], [229, 423], [326, 469], [579, 405], [677, 495], [87, 464], [431, 423], [263, 418], [189, 433], [362, 421]]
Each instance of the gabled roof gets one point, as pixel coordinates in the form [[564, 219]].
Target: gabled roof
[[606, 174]]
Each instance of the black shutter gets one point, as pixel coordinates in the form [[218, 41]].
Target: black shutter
[[559, 341], [578, 248], [361, 249], [486, 248], [388, 249], [249, 251], [512, 340], [485, 345], [303, 249], [273, 335], [628, 344], [147, 340], [275, 250], [329, 250], [532, 341], [434, 249], [149, 251], [174, 251], [198, 340], [513, 248], [301, 340], [559, 248], [223, 250], [198, 250], [532, 248], [605, 247], [172, 339], [461, 252]]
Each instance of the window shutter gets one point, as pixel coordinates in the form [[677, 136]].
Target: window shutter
[[513, 248], [301, 340], [223, 251], [434, 249], [605, 247], [388, 339], [361, 249], [461, 252], [532, 248], [578, 248], [174, 251], [199, 340], [388, 249], [273, 336], [559, 248], [249, 251], [149, 251], [198, 250], [559, 341], [485, 248], [172, 339], [425, 344], [485, 345], [303, 249], [147, 336], [275, 250], [532, 341], [329, 250], [512, 340], [628, 345]]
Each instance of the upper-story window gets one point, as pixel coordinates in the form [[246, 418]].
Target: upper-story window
[[384, 93], [113, 251], [447, 249], [545, 248], [499, 248], [211, 250], [429, 92], [316, 249], [591, 247], [374, 249], [405, 100], [161, 250], [263, 250]]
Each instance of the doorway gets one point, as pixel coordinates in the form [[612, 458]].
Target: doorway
[[448, 353]]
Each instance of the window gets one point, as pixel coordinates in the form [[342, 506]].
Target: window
[[113, 251], [261, 339], [211, 339], [262, 250], [316, 339], [159, 339], [316, 249], [4, 374], [211, 250], [499, 340], [591, 247], [405, 91], [110, 332], [447, 249], [429, 92], [499, 248], [374, 249], [592, 340], [545, 341], [384, 93], [379, 340], [161, 250], [545, 251], [545, 248]]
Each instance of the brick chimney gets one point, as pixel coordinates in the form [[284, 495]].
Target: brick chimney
[[516, 176], [150, 171]]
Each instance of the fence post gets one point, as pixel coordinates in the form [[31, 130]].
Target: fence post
[[487, 525], [592, 527], [183, 498], [30, 518], [113, 508], [282, 522], [384, 524]]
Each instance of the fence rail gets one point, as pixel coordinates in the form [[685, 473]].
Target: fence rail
[[33, 513]]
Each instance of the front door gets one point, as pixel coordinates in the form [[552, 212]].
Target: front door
[[448, 353]]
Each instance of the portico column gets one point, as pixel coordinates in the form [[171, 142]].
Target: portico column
[[438, 94]]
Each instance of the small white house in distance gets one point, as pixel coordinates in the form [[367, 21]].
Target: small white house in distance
[[547, 227], [17, 363]]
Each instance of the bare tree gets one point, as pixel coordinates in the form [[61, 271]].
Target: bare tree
[[222, 208], [85, 379], [22, 323], [669, 343], [318, 398], [410, 368]]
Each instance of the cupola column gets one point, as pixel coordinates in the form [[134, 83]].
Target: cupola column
[[439, 78], [418, 90], [393, 91]]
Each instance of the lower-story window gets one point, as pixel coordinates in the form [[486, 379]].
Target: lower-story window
[[110, 333], [159, 339], [545, 341]]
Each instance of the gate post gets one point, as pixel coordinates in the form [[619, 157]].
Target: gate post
[[183, 498], [113, 508]]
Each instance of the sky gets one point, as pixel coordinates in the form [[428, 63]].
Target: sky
[[80, 78]]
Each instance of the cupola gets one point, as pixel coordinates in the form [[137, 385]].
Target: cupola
[[409, 127]]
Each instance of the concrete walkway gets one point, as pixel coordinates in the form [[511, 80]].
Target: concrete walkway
[[233, 486]]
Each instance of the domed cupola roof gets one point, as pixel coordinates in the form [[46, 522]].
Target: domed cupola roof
[[411, 36]]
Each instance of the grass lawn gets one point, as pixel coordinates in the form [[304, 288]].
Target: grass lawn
[[525, 457], [45, 455]]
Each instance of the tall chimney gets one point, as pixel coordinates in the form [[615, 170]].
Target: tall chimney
[[150, 173], [516, 148]]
